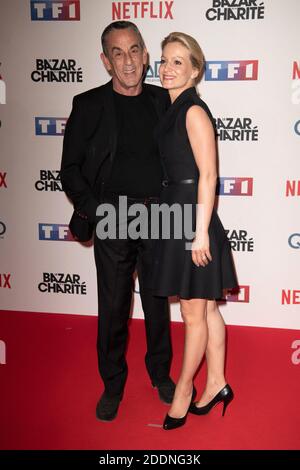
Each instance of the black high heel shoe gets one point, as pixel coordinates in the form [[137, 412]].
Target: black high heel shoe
[[225, 395], [173, 423]]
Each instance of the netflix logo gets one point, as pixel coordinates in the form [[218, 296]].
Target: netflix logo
[[150, 10], [3, 182], [290, 297], [5, 281], [292, 188]]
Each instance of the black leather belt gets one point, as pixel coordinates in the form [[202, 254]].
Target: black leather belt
[[167, 183], [114, 197]]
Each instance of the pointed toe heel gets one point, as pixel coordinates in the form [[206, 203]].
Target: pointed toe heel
[[173, 423], [224, 396]]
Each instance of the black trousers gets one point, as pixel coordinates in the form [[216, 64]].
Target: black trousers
[[116, 261]]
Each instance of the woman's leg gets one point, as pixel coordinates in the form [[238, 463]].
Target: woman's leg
[[193, 312], [215, 353]]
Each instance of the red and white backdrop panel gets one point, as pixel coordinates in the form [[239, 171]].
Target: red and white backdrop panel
[[50, 51]]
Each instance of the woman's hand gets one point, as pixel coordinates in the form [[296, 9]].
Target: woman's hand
[[200, 250]]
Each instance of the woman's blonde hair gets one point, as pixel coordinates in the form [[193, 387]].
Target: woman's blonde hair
[[196, 54]]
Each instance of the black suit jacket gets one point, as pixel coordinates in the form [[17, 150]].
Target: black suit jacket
[[89, 147]]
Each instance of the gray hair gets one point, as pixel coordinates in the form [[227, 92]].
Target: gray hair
[[119, 25]]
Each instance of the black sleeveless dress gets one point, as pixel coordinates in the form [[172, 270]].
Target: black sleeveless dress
[[174, 272]]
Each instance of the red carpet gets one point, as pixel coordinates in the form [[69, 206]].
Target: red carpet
[[50, 386]]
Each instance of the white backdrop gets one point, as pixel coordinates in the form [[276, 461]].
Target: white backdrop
[[258, 118]]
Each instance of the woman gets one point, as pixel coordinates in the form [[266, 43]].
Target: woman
[[198, 274]]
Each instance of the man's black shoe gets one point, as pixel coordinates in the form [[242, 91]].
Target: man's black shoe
[[166, 390], [107, 407]]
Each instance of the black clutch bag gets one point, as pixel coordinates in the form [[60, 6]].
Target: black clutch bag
[[81, 229]]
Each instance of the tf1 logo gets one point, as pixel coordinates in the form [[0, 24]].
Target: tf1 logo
[[54, 10], [241, 294], [235, 186], [229, 70], [50, 126], [55, 232]]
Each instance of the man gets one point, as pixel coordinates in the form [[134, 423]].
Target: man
[[108, 151]]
